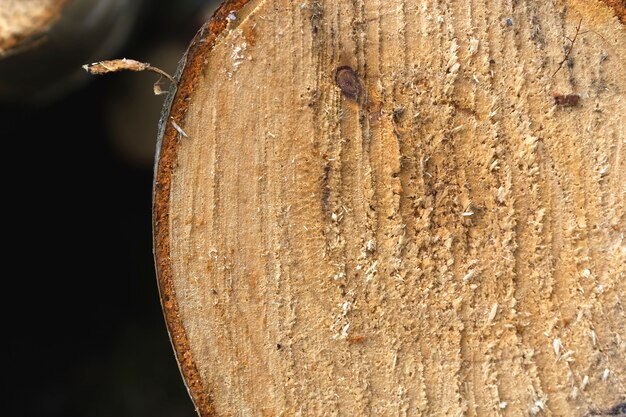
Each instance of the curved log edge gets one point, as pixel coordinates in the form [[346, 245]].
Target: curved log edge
[[171, 131], [174, 110]]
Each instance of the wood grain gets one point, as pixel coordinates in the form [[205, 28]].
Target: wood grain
[[447, 242]]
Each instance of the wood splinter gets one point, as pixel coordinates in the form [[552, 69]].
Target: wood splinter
[[348, 82], [567, 100], [117, 65]]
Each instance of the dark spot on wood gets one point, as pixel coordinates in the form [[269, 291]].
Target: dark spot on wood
[[348, 82], [317, 13], [566, 100], [325, 187], [279, 346], [570, 62], [398, 112], [618, 410]]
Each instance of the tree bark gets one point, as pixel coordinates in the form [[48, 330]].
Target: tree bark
[[398, 208]]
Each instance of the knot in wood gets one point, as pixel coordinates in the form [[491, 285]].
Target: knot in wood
[[348, 82]]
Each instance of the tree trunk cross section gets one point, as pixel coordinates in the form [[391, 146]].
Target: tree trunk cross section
[[398, 208]]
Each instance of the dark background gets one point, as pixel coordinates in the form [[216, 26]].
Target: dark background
[[82, 324]]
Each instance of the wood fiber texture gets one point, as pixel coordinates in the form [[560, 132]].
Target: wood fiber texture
[[398, 208]]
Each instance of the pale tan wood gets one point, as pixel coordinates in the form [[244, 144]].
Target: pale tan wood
[[23, 20], [448, 242]]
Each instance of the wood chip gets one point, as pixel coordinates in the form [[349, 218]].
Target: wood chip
[[117, 65]]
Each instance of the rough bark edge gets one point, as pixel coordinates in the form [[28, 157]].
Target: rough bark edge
[[174, 109]]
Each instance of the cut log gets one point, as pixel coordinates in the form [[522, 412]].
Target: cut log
[[398, 208], [23, 21]]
